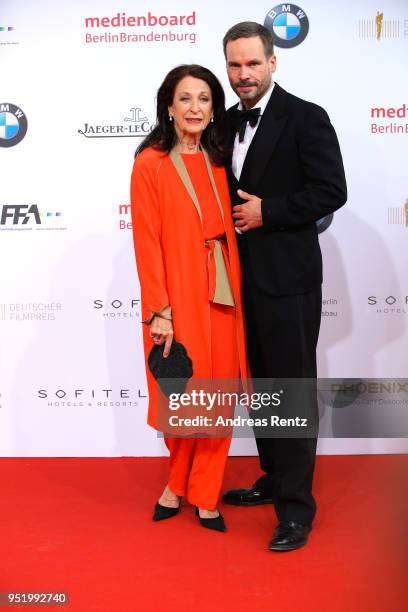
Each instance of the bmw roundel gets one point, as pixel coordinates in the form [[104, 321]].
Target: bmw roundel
[[323, 223], [13, 124], [289, 25]]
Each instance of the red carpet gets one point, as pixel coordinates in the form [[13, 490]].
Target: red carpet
[[83, 526]]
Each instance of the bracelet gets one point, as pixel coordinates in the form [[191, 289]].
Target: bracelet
[[161, 317]]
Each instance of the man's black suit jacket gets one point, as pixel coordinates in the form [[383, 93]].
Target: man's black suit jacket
[[295, 166]]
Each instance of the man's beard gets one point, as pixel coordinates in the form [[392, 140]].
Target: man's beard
[[261, 88]]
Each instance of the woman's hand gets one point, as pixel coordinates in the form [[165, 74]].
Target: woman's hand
[[161, 332]]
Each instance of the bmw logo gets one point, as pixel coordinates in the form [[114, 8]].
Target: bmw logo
[[13, 125], [289, 25], [323, 223]]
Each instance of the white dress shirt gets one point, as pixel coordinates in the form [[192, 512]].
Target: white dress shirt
[[241, 148]]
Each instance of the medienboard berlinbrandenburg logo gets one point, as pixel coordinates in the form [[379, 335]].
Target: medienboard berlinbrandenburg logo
[[378, 27], [289, 25]]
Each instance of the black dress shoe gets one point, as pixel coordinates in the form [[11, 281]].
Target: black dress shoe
[[289, 536], [164, 512], [247, 497], [216, 523]]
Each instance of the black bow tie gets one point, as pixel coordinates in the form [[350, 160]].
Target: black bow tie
[[242, 117]]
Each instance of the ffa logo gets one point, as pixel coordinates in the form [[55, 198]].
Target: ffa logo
[[289, 25], [13, 125]]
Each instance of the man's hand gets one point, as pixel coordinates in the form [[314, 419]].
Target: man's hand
[[249, 215]]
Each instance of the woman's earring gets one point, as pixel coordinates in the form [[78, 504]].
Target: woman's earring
[[212, 119], [170, 117]]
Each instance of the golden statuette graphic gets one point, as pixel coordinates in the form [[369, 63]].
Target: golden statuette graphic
[[406, 212], [379, 23]]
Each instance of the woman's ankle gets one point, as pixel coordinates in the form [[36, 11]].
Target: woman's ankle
[[169, 498], [204, 513]]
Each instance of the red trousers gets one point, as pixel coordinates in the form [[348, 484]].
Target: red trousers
[[197, 468], [197, 464]]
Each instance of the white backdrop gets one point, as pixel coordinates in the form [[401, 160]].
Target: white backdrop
[[72, 377]]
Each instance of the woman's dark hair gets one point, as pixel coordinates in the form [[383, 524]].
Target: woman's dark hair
[[163, 136]]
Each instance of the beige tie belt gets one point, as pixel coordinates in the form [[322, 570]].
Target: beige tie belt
[[219, 288]]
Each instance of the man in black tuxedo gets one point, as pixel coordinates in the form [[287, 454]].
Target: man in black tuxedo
[[287, 173]]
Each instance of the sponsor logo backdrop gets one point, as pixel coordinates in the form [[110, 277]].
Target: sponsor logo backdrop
[[78, 93]]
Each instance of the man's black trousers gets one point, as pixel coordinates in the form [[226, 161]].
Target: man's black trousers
[[282, 334]]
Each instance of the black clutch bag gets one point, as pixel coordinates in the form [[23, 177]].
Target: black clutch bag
[[172, 372]]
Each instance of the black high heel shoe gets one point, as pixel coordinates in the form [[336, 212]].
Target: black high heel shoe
[[216, 523], [165, 512]]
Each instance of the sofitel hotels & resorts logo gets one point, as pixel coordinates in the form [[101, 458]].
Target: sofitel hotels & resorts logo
[[81, 397], [148, 28], [388, 304], [118, 308], [134, 125]]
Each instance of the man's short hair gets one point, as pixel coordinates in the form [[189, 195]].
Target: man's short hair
[[248, 29]]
